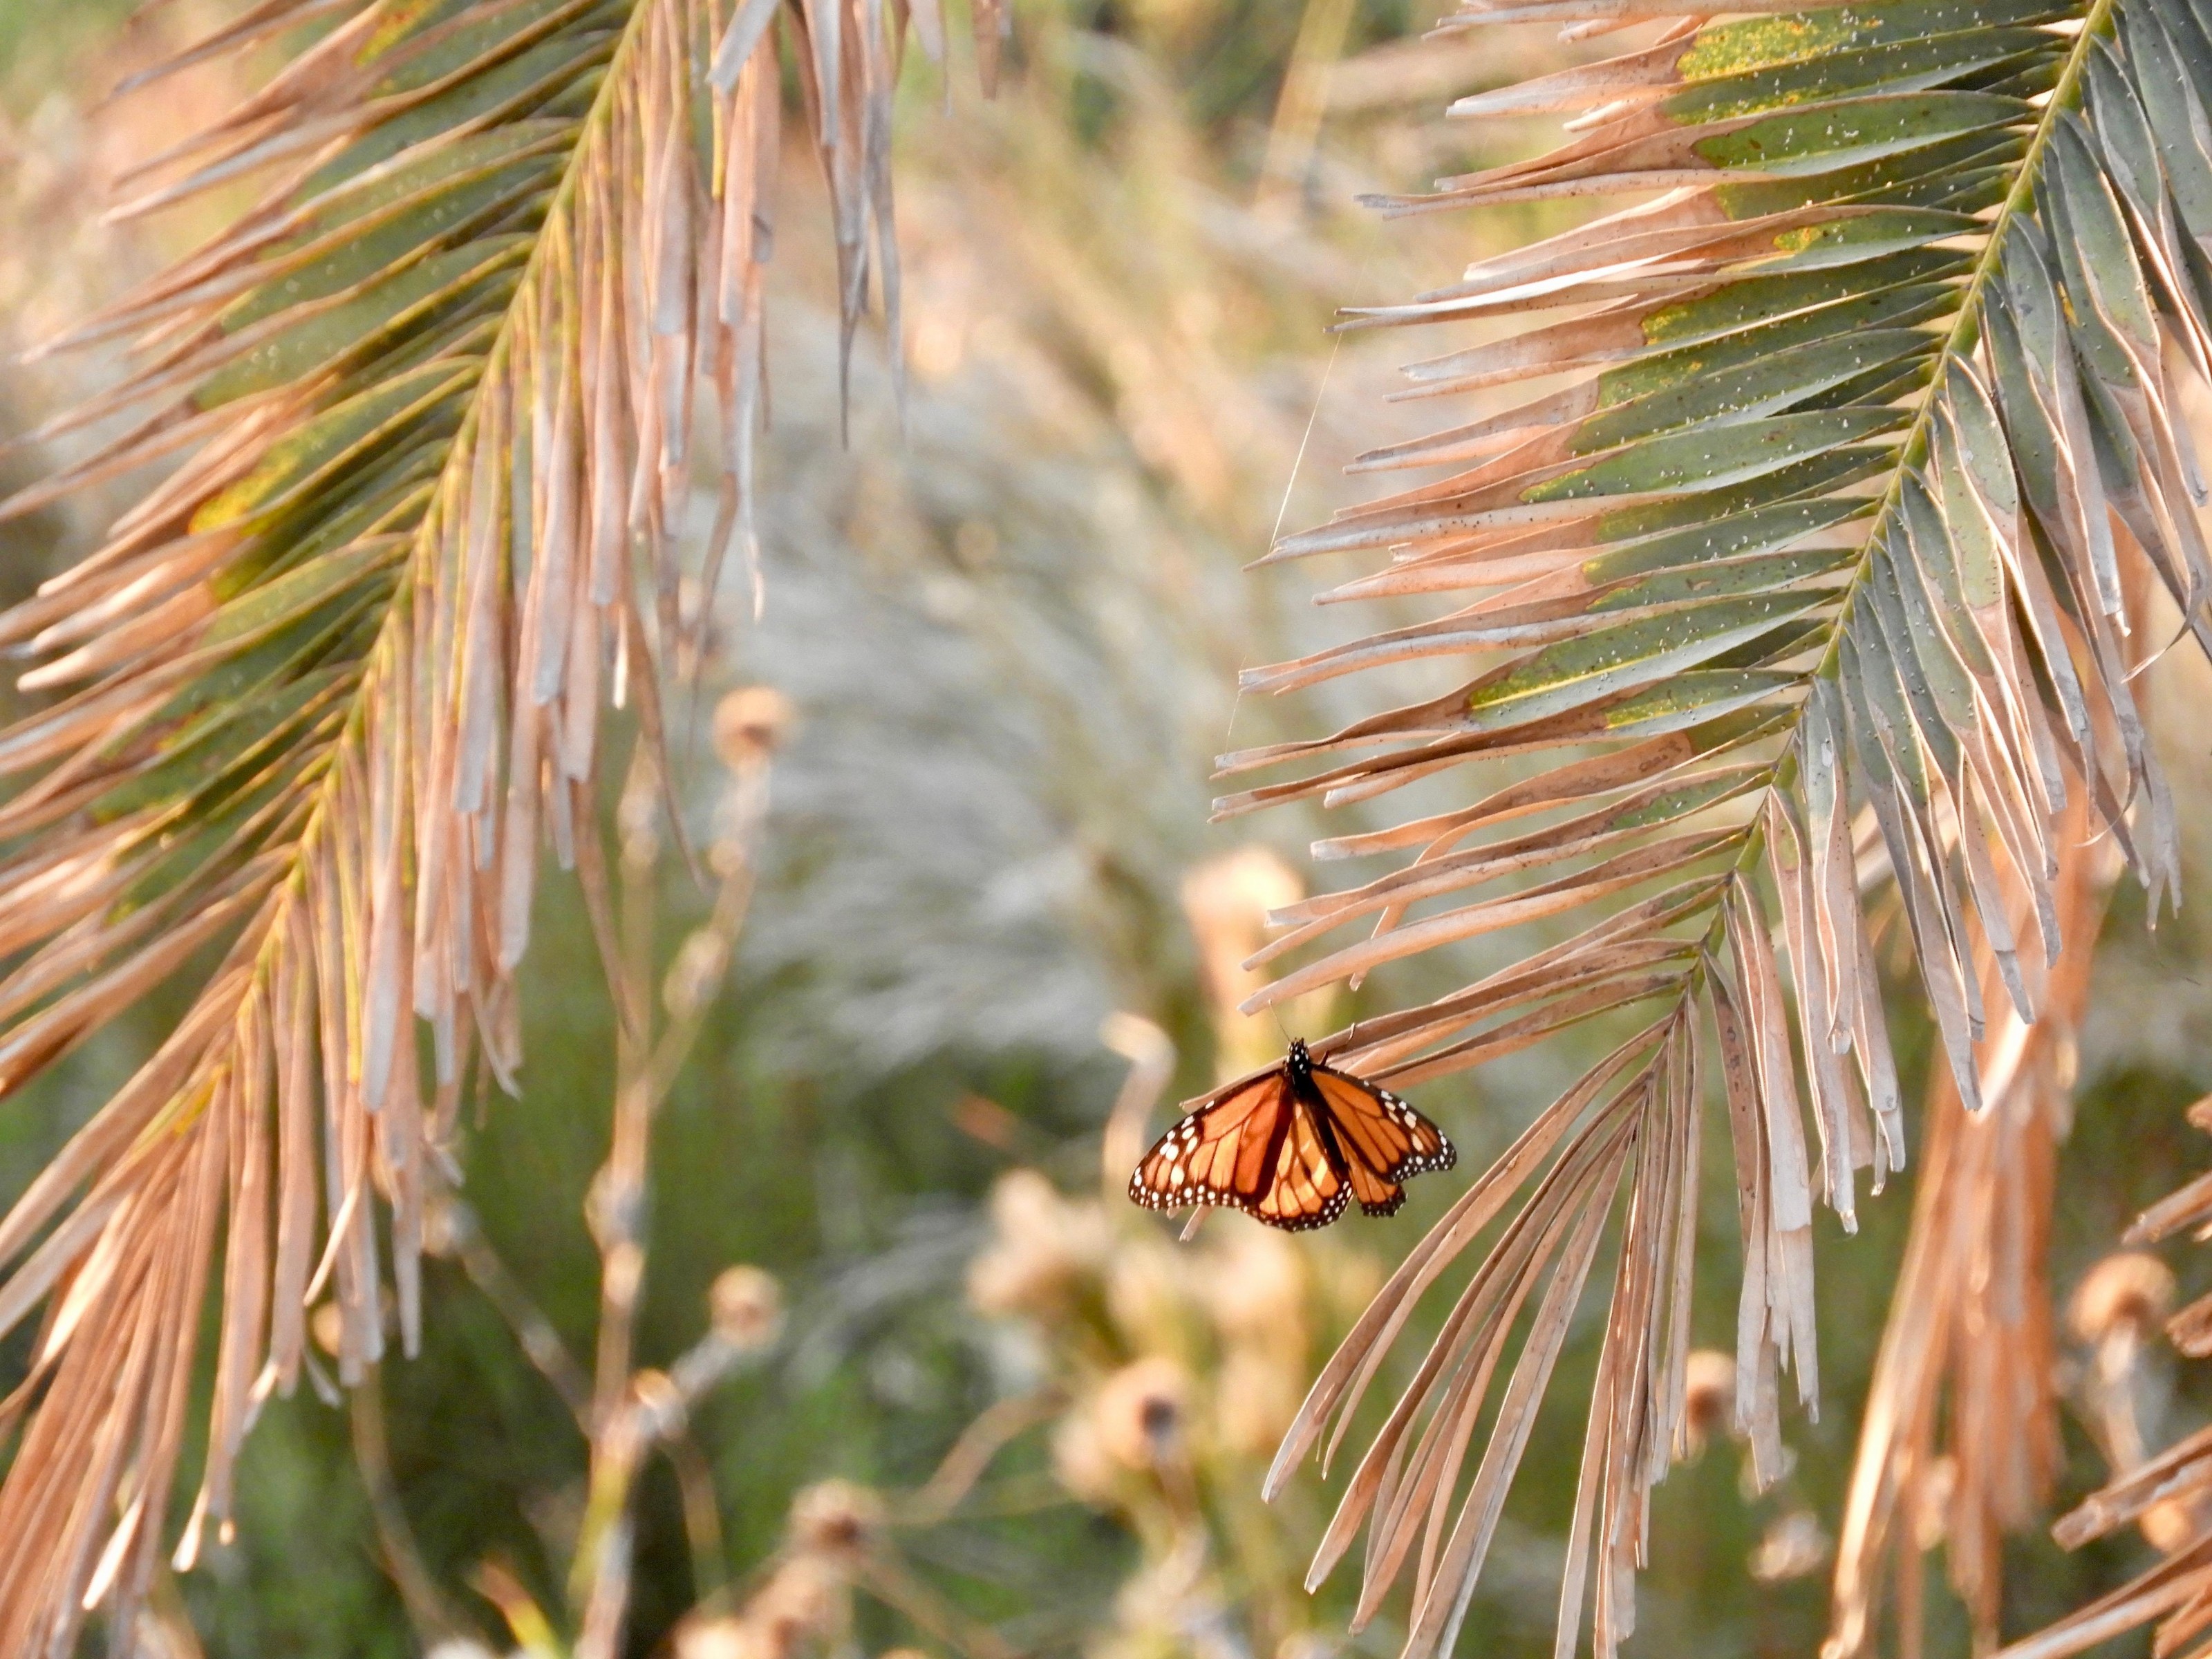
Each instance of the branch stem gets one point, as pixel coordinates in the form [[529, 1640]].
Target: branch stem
[[631, 1413]]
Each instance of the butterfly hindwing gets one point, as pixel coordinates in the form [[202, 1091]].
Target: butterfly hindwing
[[1376, 1196], [1309, 1185]]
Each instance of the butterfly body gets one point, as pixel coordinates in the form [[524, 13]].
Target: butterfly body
[[1292, 1147]]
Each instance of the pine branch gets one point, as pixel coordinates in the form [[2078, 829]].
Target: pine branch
[[332, 683], [1830, 554]]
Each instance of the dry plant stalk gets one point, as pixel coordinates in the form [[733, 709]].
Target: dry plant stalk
[[1869, 435], [632, 1412], [626, 1413], [332, 684]]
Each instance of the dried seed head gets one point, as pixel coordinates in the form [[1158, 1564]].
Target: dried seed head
[[1708, 1397], [804, 1602], [1795, 1546], [1255, 1398], [713, 1638], [751, 725], [746, 1306], [447, 1221], [1258, 1296], [1044, 1247], [1226, 901], [835, 1520], [2167, 1526], [2126, 1289], [1080, 1462], [1148, 1290], [1142, 1413]]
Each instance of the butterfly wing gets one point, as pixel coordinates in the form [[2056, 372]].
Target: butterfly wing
[[1224, 1153], [1311, 1185], [1384, 1141], [1376, 1196], [1258, 1148]]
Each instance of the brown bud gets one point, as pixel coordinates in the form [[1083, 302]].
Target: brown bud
[[713, 1638], [834, 1519], [2168, 1525], [1143, 1413], [806, 1600], [1045, 1248], [746, 1306], [447, 1223], [1708, 1396], [2126, 1288], [1795, 1546], [751, 725], [658, 1399]]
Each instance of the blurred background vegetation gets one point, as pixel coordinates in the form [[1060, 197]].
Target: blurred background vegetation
[[1014, 1416]]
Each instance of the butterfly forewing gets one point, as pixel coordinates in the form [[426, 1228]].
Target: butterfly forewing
[[1219, 1153], [1376, 1128]]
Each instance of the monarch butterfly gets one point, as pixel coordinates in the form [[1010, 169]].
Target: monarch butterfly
[[1291, 1146]]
